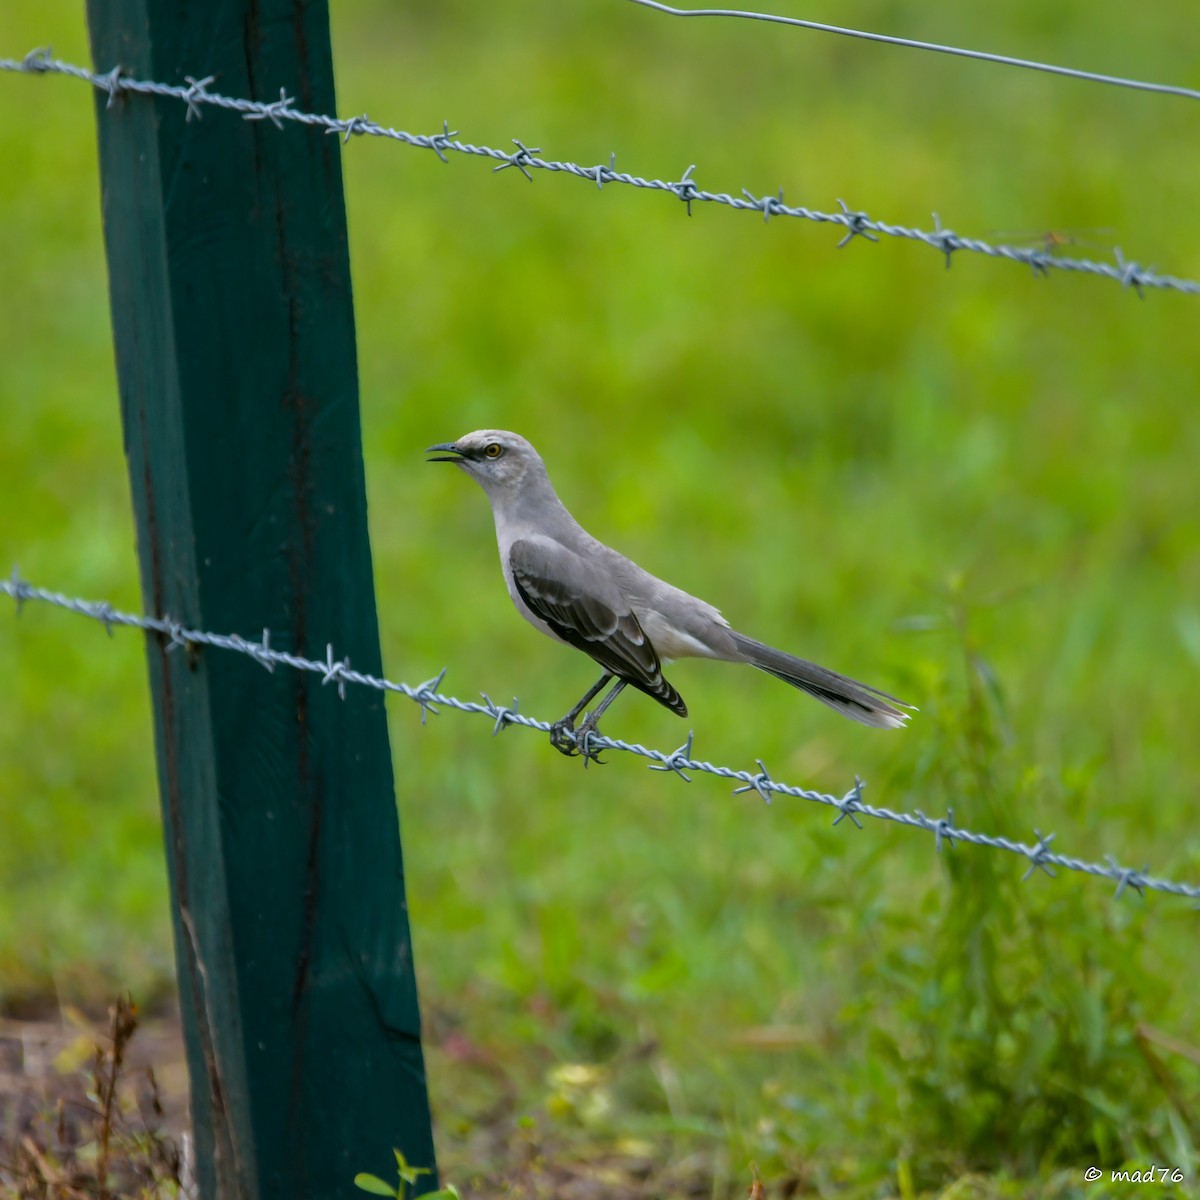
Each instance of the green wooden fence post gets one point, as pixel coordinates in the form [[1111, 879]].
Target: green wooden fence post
[[234, 331]]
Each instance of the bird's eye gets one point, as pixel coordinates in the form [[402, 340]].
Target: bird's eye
[[493, 450]]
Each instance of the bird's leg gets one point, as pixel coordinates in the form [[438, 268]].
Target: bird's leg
[[566, 725], [592, 720]]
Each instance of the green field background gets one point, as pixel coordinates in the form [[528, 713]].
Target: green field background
[[975, 488]]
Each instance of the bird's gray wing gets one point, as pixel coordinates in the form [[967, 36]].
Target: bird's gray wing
[[583, 605]]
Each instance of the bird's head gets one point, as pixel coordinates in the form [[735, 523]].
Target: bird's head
[[502, 463]]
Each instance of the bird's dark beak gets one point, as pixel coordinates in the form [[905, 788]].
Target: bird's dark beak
[[454, 454]]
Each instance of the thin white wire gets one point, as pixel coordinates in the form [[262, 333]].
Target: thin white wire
[[1007, 60]]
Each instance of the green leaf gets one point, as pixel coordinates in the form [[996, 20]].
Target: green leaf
[[374, 1185], [407, 1173]]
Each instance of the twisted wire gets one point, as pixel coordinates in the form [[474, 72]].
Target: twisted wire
[[857, 225], [680, 761]]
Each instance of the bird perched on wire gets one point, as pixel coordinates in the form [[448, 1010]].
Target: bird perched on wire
[[577, 590]]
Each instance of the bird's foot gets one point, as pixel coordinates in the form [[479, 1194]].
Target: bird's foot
[[588, 729], [562, 737], [568, 740]]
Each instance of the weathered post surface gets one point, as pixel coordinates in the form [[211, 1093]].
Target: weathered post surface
[[234, 330]]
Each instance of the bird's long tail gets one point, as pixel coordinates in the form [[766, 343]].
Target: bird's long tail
[[858, 701]]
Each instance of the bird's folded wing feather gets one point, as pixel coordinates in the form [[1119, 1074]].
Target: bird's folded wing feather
[[585, 608]]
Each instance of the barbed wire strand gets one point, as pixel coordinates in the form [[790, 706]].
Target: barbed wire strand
[[526, 160], [1168, 89], [678, 762]]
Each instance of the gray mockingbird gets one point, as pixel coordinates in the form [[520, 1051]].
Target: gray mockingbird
[[577, 590]]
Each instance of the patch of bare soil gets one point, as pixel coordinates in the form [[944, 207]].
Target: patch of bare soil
[[97, 1110], [89, 1110]]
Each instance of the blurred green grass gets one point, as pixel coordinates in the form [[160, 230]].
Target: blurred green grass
[[827, 444]]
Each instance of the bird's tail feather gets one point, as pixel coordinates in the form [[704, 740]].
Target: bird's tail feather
[[858, 701]]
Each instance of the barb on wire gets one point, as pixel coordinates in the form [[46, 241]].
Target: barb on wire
[[678, 762], [1169, 89], [854, 224]]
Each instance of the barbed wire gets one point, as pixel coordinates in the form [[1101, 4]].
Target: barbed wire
[[1007, 60], [195, 94], [851, 805]]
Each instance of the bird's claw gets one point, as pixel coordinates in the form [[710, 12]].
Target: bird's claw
[[562, 737], [568, 740], [583, 740]]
